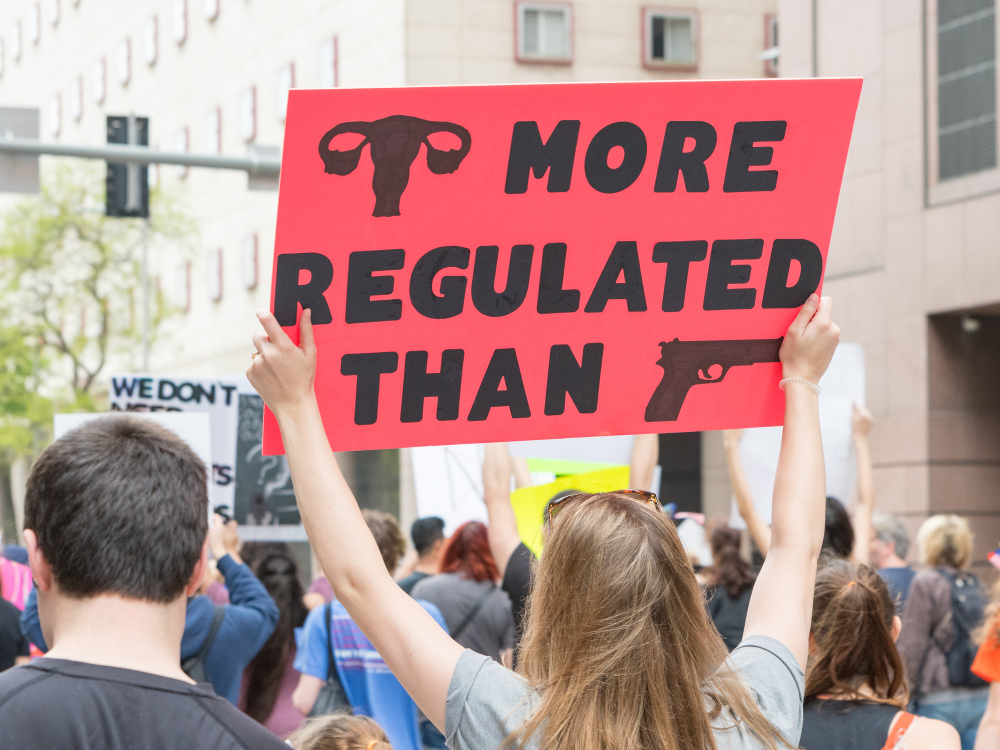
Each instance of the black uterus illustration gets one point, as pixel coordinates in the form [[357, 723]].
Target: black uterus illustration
[[394, 142]]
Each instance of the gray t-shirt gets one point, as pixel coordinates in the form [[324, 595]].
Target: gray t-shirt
[[485, 700], [491, 630]]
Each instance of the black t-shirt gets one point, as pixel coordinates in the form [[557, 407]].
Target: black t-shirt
[[57, 703], [728, 614], [412, 580], [517, 584], [12, 643]]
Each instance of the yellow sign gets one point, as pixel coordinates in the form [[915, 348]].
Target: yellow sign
[[529, 502]]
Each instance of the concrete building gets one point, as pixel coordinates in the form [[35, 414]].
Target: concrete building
[[914, 260], [213, 75]]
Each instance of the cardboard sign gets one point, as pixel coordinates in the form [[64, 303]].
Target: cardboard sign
[[494, 263], [843, 386]]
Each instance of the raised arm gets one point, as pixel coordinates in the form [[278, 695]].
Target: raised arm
[[645, 457], [413, 645], [759, 529], [864, 505], [502, 529], [781, 603]]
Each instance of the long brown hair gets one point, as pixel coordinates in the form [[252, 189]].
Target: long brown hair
[[852, 629], [340, 732], [279, 573], [729, 570], [618, 643]]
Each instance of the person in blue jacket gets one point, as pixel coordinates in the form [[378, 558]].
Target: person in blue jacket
[[247, 621]]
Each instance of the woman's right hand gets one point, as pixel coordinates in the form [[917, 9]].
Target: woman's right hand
[[281, 372], [810, 341]]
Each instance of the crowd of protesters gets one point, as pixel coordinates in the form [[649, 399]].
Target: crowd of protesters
[[131, 620]]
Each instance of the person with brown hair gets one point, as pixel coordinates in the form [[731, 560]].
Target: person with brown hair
[[478, 613], [618, 649], [729, 585], [944, 607], [270, 678], [856, 687], [340, 732]]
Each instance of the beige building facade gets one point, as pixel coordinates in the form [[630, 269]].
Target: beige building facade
[[212, 76], [914, 263]]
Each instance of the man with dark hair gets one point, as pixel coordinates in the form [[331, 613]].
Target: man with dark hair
[[116, 518], [428, 539]]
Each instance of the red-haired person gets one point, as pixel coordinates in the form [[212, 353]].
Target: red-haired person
[[987, 666], [478, 613], [856, 689]]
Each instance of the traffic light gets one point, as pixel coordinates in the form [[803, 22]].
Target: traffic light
[[128, 184]]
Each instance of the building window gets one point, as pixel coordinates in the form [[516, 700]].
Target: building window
[[285, 83], [671, 39], [543, 32], [150, 49], [76, 99], [35, 23], [124, 58], [181, 145], [180, 18], [966, 87], [182, 286], [248, 261], [215, 274], [99, 81], [54, 12], [328, 64], [213, 131], [211, 10], [248, 114], [771, 50], [55, 115], [15, 41]]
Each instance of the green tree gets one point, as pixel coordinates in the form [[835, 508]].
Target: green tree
[[71, 280]]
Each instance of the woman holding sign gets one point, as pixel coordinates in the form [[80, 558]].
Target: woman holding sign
[[618, 650]]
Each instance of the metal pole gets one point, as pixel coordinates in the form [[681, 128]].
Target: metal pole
[[145, 296], [255, 164]]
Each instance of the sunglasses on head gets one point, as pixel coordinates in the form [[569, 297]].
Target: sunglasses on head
[[647, 498]]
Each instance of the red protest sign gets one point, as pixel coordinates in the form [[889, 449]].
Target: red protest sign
[[489, 263]]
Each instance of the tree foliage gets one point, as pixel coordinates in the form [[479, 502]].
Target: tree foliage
[[71, 291]]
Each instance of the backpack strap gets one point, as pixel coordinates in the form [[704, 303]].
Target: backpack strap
[[899, 730], [473, 612], [213, 631], [331, 669]]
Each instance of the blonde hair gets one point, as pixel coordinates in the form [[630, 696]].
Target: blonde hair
[[945, 540], [618, 642], [340, 732]]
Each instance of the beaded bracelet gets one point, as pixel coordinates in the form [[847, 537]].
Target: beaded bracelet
[[781, 383]]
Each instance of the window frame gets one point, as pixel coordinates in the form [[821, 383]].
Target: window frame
[[939, 192], [648, 11], [522, 5], [771, 65]]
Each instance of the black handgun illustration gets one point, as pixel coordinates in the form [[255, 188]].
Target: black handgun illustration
[[395, 142], [686, 363]]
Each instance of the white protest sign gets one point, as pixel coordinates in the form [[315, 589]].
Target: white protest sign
[[843, 386], [193, 429], [449, 483], [216, 397], [256, 489]]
